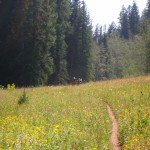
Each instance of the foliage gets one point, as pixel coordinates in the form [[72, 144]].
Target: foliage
[[79, 41], [29, 38], [11, 87], [127, 58], [134, 19], [35, 37], [60, 51], [23, 98], [146, 37], [124, 25]]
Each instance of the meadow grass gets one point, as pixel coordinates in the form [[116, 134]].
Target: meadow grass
[[75, 117]]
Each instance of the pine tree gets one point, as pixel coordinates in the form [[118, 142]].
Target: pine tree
[[134, 19], [124, 23], [80, 43], [60, 52], [96, 34], [40, 38], [103, 62], [88, 71], [145, 18], [11, 39], [29, 39], [100, 41], [72, 38], [146, 38], [147, 10], [145, 32], [112, 28]]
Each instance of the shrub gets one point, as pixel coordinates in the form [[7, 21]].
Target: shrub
[[11, 87], [23, 98]]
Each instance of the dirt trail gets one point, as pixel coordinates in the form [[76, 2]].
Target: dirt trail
[[114, 135]]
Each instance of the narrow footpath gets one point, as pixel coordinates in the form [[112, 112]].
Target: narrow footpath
[[114, 135]]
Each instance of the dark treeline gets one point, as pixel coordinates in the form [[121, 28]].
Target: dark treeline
[[51, 41], [44, 42]]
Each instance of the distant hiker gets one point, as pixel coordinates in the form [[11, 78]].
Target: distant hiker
[[74, 81], [79, 81]]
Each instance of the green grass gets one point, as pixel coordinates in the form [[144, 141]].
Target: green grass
[[75, 117]]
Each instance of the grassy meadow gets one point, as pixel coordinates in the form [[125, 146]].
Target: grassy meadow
[[75, 117]]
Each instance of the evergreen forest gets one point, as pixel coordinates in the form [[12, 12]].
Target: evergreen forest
[[48, 42]]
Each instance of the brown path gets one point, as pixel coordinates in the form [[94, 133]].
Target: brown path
[[114, 134]]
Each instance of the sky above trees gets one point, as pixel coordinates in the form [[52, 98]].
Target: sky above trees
[[106, 11]]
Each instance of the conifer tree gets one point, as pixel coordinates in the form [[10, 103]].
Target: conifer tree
[[124, 23], [40, 38], [103, 61], [112, 28], [145, 18], [86, 48], [100, 35], [96, 34], [147, 10], [72, 38], [30, 36], [145, 32], [60, 52], [80, 43], [134, 19], [11, 29]]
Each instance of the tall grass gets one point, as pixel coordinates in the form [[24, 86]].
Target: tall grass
[[75, 117]]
